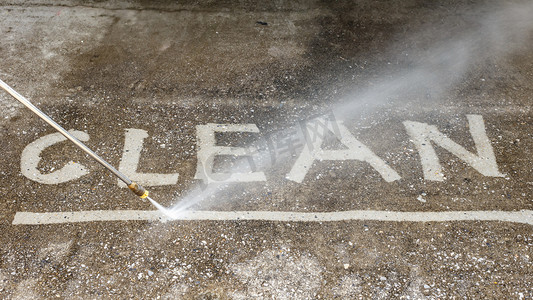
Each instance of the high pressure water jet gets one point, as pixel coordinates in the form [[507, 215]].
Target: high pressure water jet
[[136, 188]]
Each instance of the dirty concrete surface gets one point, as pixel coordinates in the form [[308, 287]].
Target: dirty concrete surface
[[167, 67]]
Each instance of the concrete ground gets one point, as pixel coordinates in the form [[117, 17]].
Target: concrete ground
[[313, 150]]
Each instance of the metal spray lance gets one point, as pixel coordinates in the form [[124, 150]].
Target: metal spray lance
[[134, 187]]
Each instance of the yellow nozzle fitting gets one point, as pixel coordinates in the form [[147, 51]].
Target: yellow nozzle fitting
[[144, 195], [138, 190]]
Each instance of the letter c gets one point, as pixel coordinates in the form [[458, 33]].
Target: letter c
[[30, 158]]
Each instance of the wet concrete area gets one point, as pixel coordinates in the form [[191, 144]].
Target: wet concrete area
[[162, 70]]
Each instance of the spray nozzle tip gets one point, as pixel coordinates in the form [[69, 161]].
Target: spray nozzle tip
[[138, 190]]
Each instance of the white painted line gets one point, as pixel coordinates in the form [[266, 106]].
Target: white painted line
[[29, 218]]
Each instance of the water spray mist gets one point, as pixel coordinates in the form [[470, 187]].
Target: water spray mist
[[133, 186]]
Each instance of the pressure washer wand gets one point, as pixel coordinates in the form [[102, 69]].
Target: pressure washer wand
[[134, 187]]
